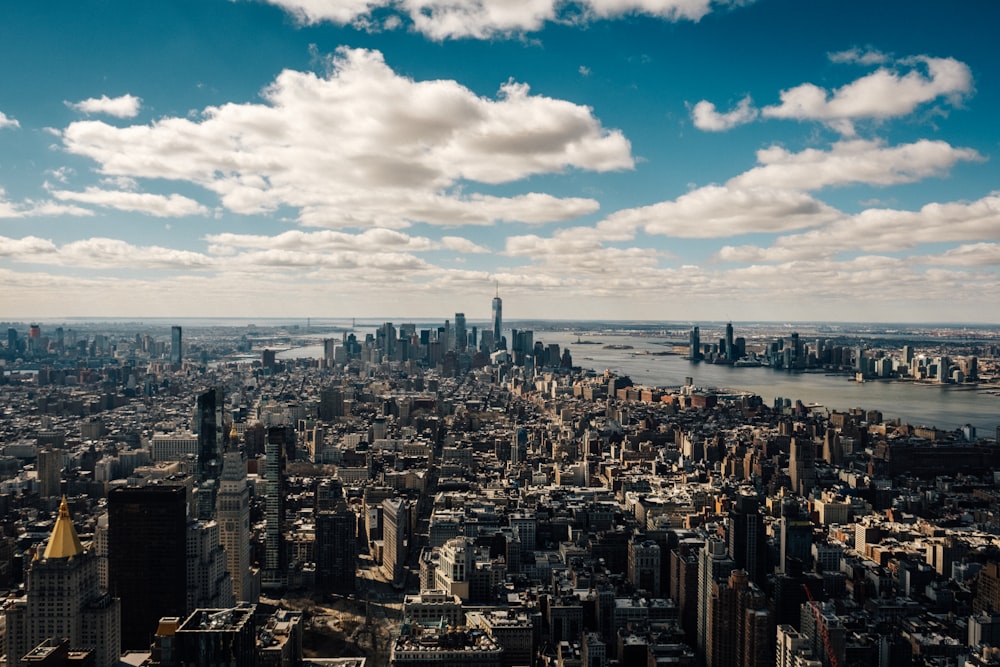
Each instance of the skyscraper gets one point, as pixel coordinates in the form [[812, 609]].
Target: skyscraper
[[713, 565], [210, 449], [176, 353], [694, 343], [394, 517], [208, 580], [233, 515], [747, 538], [729, 342], [147, 557], [497, 319], [336, 549], [461, 335], [274, 467], [64, 600], [49, 465]]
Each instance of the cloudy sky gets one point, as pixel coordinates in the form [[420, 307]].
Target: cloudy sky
[[601, 159]]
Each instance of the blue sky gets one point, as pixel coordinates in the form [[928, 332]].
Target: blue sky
[[609, 159]]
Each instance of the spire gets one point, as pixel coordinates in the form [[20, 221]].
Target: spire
[[64, 542]]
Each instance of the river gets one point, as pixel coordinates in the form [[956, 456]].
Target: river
[[944, 406]]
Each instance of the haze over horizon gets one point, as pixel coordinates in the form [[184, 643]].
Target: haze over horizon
[[643, 160]]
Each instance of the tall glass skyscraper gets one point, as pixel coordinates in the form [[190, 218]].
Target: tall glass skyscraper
[[497, 319], [175, 346]]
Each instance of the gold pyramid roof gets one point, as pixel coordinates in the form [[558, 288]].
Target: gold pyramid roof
[[64, 542]]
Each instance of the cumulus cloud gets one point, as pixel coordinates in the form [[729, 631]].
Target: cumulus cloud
[[484, 19], [232, 253], [126, 106], [883, 230], [7, 121], [717, 211], [855, 161], [463, 245], [705, 116], [973, 254], [885, 93], [322, 241], [364, 146], [30, 208], [99, 253], [160, 206]]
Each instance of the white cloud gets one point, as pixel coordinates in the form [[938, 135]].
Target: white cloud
[[563, 252], [859, 57], [484, 19], [99, 253], [856, 161], [126, 106], [322, 241], [160, 206], [463, 245], [885, 93], [716, 211], [973, 254], [366, 147], [7, 121], [705, 116], [30, 208], [884, 230], [334, 11]]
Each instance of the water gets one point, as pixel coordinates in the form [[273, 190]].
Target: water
[[944, 406]]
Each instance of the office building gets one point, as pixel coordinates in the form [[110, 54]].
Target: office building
[[147, 557], [213, 636], [497, 319], [49, 463], [713, 565], [336, 550], [274, 515], [176, 351], [233, 515], [694, 344], [395, 512], [208, 580], [64, 601], [461, 333], [747, 538], [644, 566], [211, 435], [802, 465]]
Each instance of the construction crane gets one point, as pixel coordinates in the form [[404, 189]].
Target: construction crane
[[831, 655]]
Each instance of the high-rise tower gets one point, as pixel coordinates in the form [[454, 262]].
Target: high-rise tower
[[176, 354], [233, 515], [210, 448], [497, 319], [147, 557], [461, 335], [274, 515], [63, 600], [694, 343]]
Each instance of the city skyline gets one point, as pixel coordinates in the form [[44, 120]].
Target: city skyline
[[670, 160]]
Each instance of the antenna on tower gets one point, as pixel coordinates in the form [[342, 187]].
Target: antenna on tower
[[498, 288]]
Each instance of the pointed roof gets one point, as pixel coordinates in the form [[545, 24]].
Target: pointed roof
[[64, 543]]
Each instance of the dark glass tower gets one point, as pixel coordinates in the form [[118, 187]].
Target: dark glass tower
[[175, 346], [147, 558], [497, 320], [336, 550]]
